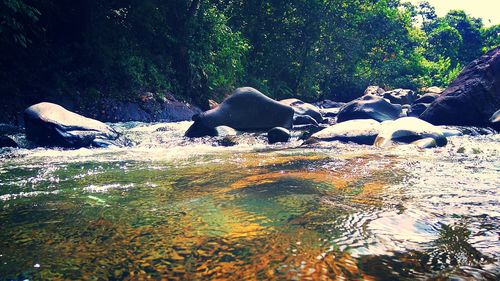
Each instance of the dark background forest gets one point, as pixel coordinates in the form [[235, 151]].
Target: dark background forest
[[202, 49]]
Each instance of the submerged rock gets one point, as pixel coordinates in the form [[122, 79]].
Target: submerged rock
[[361, 131], [245, 110], [49, 124], [369, 107], [278, 134], [472, 97], [409, 130]]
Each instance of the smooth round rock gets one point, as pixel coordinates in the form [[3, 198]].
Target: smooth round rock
[[408, 130], [361, 131], [50, 124], [369, 107], [303, 108], [245, 110], [278, 134]]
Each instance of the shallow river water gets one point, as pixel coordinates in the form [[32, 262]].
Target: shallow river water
[[180, 209]]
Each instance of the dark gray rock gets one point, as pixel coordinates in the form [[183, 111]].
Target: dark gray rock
[[245, 110], [6, 141], [400, 96], [427, 98], [361, 131], [303, 120], [472, 98], [49, 124], [278, 134], [329, 104], [417, 109], [369, 107], [303, 108], [330, 112]]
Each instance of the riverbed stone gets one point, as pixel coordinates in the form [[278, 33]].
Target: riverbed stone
[[408, 130], [303, 108], [400, 96], [369, 107], [245, 110], [278, 134], [49, 124], [361, 131]]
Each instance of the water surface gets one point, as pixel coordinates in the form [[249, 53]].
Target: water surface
[[184, 209]]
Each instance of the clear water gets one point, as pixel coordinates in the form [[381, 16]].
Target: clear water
[[182, 209]]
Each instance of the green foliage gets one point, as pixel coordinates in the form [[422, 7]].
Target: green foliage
[[202, 49]]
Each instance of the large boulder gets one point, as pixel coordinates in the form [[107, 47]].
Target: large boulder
[[245, 110], [49, 124], [303, 108], [361, 131], [409, 130], [369, 107], [400, 96], [472, 97]]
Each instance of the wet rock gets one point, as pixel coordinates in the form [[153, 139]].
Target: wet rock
[[400, 96], [427, 98], [409, 130], [495, 120], [330, 112], [374, 90], [6, 141], [49, 124], [303, 120], [369, 107], [361, 131], [472, 97], [229, 141], [278, 134], [329, 104], [245, 110], [303, 108], [425, 143], [417, 109]]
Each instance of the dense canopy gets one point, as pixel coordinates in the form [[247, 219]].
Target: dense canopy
[[202, 49]]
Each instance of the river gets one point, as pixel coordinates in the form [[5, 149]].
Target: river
[[184, 209]]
